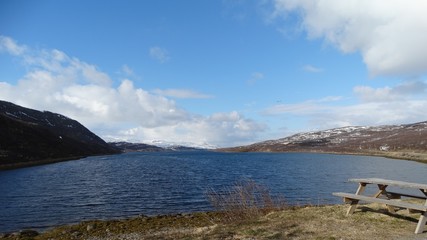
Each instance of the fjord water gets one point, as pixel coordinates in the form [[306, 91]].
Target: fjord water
[[116, 186]]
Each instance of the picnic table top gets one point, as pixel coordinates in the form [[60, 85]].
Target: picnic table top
[[390, 183]]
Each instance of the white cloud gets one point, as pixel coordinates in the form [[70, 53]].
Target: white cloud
[[389, 105], [93, 75], [303, 108], [369, 94], [7, 44], [127, 70], [220, 129], [400, 92], [159, 54], [59, 83], [390, 35], [181, 93], [312, 69], [308, 107], [255, 77]]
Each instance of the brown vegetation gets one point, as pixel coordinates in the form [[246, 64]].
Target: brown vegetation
[[245, 200], [406, 141], [311, 222]]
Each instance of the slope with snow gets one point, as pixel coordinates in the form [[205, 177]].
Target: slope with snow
[[352, 139]]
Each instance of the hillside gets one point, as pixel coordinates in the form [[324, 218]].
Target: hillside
[[142, 147], [401, 141], [29, 137], [135, 147]]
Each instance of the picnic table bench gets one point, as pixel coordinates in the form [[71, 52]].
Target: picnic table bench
[[388, 197]]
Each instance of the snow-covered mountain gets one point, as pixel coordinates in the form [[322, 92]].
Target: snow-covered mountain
[[171, 145], [353, 139], [158, 146]]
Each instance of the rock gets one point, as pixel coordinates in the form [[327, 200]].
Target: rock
[[76, 235], [90, 227], [28, 233]]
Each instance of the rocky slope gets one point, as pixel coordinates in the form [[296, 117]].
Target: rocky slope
[[29, 137], [357, 140]]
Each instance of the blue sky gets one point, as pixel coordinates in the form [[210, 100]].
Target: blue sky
[[221, 73]]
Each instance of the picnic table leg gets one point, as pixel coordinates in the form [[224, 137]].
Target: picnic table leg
[[421, 223], [354, 203], [381, 191], [423, 218]]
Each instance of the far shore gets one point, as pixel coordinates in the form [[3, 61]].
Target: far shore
[[43, 162], [402, 155], [408, 155]]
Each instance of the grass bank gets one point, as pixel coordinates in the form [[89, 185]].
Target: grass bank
[[310, 222]]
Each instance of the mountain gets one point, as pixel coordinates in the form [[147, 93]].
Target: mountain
[[135, 147], [142, 147], [401, 141], [30, 137], [183, 145]]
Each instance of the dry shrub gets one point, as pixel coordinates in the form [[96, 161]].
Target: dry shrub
[[245, 200]]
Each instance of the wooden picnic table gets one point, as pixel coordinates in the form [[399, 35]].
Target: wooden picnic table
[[388, 197]]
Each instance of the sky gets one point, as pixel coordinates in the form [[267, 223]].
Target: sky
[[217, 73]]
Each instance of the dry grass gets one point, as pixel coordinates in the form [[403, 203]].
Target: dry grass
[[244, 201], [322, 222]]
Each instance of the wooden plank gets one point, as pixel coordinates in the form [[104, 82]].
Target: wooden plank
[[389, 182], [380, 200], [396, 194]]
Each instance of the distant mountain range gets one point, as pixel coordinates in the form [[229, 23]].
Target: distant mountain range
[[407, 141], [30, 137], [142, 147]]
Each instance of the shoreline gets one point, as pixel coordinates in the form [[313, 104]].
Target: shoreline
[[37, 163], [420, 157], [303, 222], [46, 162], [404, 155]]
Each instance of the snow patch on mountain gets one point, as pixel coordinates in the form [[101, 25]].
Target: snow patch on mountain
[[353, 134], [171, 145]]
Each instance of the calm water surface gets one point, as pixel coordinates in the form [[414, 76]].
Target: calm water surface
[[130, 184]]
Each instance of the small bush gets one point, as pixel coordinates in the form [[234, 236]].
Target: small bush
[[245, 200]]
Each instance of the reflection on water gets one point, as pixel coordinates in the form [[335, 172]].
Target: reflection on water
[[163, 183]]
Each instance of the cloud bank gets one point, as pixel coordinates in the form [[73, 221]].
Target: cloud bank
[[404, 103], [57, 82], [390, 35]]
